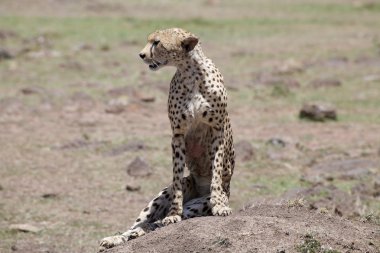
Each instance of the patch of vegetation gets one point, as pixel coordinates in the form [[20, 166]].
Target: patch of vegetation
[[222, 242], [372, 217], [296, 203], [280, 91], [345, 185], [369, 6], [311, 245], [322, 194]]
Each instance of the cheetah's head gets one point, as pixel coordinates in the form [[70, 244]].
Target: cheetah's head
[[168, 47]]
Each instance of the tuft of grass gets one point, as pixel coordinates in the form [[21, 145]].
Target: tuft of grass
[[280, 91], [222, 242], [311, 245], [322, 194], [296, 202], [372, 217]]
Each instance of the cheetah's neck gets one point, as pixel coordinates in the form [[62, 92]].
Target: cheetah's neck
[[194, 62]]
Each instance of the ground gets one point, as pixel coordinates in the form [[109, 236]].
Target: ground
[[263, 228], [77, 106]]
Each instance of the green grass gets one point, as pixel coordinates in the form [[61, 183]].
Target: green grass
[[320, 195], [108, 30], [67, 32], [311, 245]]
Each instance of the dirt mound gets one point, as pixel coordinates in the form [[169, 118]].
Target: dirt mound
[[263, 228]]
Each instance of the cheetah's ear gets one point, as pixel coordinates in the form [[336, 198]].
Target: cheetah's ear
[[189, 43]]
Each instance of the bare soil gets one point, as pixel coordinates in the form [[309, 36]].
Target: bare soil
[[259, 228]]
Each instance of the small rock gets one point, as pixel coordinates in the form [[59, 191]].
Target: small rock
[[273, 80], [244, 150], [80, 102], [131, 146], [276, 154], [283, 148], [120, 91], [132, 188], [143, 96], [40, 41], [325, 82], [368, 60], [372, 78], [242, 52], [79, 143], [11, 105], [49, 195], [105, 47], [148, 99], [117, 106], [337, 61], [83, 46], [280, 91], [1, 187], [231, 88], [318, 112], [32, 90], [139, 168], [5, 54], [6, 34], [212, 2], [72, 65], [27, 228], [114, 109], [376, 184], [276, 142], [86, 84], [365, 4], [290, 66], [347, 169], [13, 66], [129, 42], [45, 107], [88, 120]]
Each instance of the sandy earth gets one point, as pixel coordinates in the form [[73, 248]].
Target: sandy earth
[[261, 228]]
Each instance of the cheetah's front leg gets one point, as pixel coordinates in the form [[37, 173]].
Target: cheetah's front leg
[[219, 198], [176, 208]]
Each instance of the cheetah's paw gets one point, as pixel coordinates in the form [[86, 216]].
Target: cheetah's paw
[[171, 219], [221, 210], [111, 241], [134, 233]]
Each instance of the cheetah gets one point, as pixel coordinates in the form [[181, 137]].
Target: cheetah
[[201, 136]]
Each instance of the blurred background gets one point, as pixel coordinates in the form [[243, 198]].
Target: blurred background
[[84, 133]]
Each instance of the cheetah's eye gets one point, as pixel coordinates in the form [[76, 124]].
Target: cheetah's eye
[[155, 43]]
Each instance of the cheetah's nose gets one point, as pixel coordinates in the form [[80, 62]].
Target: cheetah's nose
[[142, 55]]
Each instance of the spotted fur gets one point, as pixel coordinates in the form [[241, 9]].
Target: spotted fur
[[201, 141]]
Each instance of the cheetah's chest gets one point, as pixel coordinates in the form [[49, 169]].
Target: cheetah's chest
[[197, 138], [191, 104], [197, 141]]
